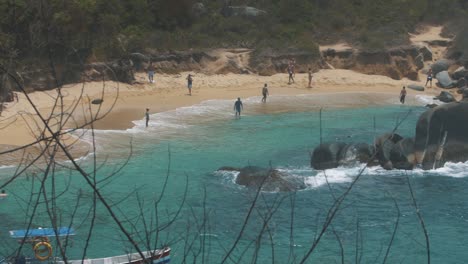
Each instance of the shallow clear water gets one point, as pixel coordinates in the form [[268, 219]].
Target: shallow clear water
[[190, 144]]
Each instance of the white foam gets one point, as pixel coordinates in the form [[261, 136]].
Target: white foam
[[332, 176], [427, 99], [455, 170]]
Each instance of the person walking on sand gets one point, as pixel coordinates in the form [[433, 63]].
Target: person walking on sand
[[290, 72], [429, 78], [238, 107], [189, 83], [293, 67], [147, 115], [265, 93], [403, 95], [151, 72], [310, 78]]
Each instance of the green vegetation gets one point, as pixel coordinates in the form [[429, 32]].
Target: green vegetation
[[104, 29]]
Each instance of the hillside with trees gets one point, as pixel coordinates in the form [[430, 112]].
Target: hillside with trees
[[108, 29], [78, 32]]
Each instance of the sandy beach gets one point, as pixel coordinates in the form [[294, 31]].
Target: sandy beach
[[125, 103]]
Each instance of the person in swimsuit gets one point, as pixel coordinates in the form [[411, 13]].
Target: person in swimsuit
[[147, 116], [238, 107], [310, 78], [151, 73], [403, 95], [189, 83], [429, 78], [264, 93]]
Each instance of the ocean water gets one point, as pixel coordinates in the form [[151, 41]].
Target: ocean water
[[166, 177]]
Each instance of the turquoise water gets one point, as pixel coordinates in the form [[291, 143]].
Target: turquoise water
[[190, 144]]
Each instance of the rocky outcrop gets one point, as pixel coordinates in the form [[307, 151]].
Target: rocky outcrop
[[444, 80], [268, 62], [441, 136], [439, 66], [119, 70], [450, 120], [396, 63], [445, 97], [334, 154], [269, 180]]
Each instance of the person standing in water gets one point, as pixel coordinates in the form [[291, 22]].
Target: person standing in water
[[429, 78], [238, 107], [403, 95], [189, 83], [147, 116], [310, 78], [264, 93]]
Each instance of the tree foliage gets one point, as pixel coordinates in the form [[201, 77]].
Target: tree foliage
[[108, 29]]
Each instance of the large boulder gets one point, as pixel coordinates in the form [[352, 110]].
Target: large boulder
[[352, 154], [416, 87], [460, 73], [326, 155], [444, 80], [445, 97], [426, 52], [383, 147], [402, 154], [452, 119], [140, 61], [419, 61], [440, 65], [268, 179], [461, 83], [331, 155]]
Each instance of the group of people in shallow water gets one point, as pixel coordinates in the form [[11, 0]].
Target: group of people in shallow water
[[238, 106]]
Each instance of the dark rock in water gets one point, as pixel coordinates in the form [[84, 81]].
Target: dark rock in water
[[326, 156], [440, 65], [332, 155], [97, 101], [383, 147], [444, 80], [431, 126], [445, 97], [431, 105], [402, 154], [416, 87], [355, 153], [269, 179]]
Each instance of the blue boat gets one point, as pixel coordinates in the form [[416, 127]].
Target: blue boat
[[42, 248]]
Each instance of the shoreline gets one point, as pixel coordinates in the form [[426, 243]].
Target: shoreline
[[127, 103]]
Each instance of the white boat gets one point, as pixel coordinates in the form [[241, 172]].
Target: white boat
[[42, 248]]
